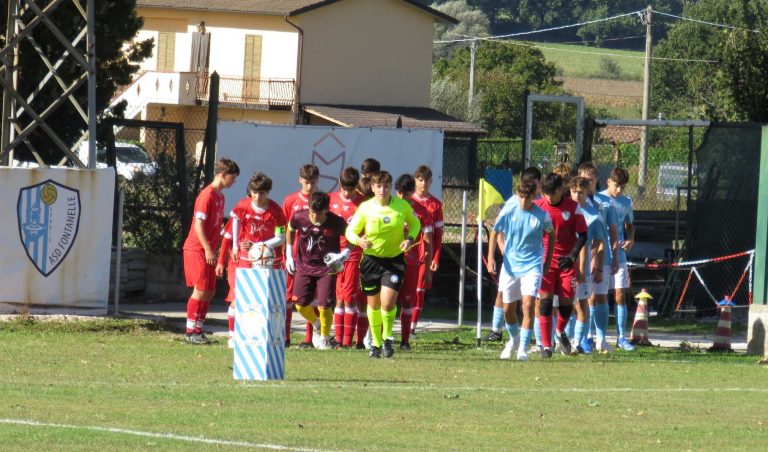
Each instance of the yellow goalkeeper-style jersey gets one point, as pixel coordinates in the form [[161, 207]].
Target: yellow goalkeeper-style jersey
[[384, 226]]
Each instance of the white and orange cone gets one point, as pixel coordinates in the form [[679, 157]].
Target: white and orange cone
[[722, 342], [639, 335]]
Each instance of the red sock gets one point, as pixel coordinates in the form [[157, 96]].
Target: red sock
[[405, 325], [418, 306], [231, 320], [350, 320], [362, 326], [288, 316], [193, 305], [308, 333], [545, 322], [338, 323]]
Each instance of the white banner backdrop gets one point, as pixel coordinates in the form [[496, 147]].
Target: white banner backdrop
[[57, 225], [279, 152]]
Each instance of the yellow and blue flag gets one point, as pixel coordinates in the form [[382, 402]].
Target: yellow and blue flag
[[489, 196]]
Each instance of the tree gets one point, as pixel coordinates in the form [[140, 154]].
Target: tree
[[729, 84], [116, 24], [472, 22]]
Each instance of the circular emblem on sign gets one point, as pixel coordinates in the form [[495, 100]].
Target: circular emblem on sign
[[48, 194], [386, 220], [394, 279]]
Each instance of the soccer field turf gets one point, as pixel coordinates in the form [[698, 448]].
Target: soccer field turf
[[128, 384]]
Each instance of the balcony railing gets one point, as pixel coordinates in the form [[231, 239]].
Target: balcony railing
[[272, 93]]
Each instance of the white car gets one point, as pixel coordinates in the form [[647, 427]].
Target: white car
[[131, 159]]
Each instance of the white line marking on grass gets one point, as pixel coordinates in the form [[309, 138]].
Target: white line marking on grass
[[428, 387], [192, 439]]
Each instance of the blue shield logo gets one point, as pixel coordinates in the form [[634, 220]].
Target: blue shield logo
[[48, 215]]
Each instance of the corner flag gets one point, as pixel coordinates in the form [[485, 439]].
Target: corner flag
[[489, 196]]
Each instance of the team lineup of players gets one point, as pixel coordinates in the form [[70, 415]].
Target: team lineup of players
[[366, 251], [361, 248]]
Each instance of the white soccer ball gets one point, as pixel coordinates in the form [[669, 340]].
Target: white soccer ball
[[261, 255]]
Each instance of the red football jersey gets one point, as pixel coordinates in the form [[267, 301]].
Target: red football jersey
[[209, 207], [256, 225], [345, 208], [417, 254], [293, 203], [568, 220], [435, 208]]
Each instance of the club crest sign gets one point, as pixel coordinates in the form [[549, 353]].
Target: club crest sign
[[48, 216]]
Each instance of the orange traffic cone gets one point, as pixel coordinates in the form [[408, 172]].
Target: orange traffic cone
[[722, 342], [640, 325]]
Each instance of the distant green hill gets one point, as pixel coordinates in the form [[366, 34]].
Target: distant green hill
[[584, 62]]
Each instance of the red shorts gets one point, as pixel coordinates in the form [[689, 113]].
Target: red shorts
[[407, 294], [197, 272], [348, 283], [559, 282], [289, 288], [423, 267]]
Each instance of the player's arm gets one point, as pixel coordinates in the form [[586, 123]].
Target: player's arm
[[355, 227], [210, 257], [581, 269], [290, 266], [414, 226], [226, 242], [278, 239], [597, 270], [629, 240], [490, 260], [551, 238], [437, 238]]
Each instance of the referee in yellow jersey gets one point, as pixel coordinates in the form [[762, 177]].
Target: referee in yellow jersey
[[384, 219]]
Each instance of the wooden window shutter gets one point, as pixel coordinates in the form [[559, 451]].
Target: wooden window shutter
[[166, 48], [252, 66]]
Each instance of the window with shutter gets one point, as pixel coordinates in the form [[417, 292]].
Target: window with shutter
[[166, 47], [251, 68]]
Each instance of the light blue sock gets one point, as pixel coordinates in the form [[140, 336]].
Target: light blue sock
[[578, 334], [525, 338], [498, 319], [537, 332], [601, 320], [592, 312], [621, 319], [513, 329], [569, 329]]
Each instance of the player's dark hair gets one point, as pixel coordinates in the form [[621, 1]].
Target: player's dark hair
[[226, 166], [405, 184], [579, 182], [309, 172], [532, 173], [526, 187], [364, 186], [588, 168], [619, 175], [369, 166], [381, 177], [565, 171], [423, 172], [349, 178], [319, 201], [551, 183], [259, 182]]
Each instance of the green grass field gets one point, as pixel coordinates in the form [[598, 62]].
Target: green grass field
[[583, 62], [128, 384]]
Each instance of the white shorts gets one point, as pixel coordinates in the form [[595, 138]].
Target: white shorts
[[514, 288], [602, 287], [583, 290], [621, 279]]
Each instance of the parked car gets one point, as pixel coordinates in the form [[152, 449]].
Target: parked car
[[131, 159]]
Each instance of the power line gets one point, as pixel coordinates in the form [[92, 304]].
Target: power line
[[597, 40], [524, 33], [704, 22]]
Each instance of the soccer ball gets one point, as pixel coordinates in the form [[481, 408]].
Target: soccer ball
[[261, 255]]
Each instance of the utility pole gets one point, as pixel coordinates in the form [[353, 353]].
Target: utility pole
[[643, 170], [472, 51]]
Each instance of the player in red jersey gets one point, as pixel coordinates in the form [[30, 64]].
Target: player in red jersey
[[423, 177], [415, 258], [349, 297], [293, 203], [317, 234], [200, 248], [255, 219], [367, 168], [561, 279]]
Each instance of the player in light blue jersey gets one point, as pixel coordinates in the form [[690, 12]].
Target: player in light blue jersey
[[626, 238], [531, 173], [590, 259], [521, 229], [598, 302]]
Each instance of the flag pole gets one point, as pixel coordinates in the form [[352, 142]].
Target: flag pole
[[479, 262], [463, 266]]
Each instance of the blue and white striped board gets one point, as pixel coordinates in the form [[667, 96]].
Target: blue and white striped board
[[259, 324]]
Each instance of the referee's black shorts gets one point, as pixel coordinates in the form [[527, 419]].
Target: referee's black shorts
[[381, 271]]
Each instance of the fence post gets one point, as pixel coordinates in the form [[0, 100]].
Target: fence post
[[209, 148], [181, 169]]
